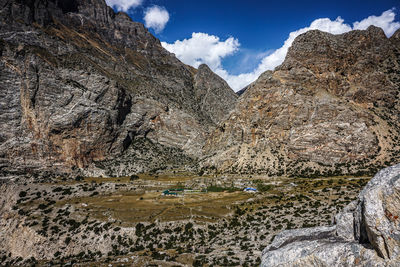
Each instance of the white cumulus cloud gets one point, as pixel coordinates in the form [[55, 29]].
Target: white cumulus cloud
[[204, 48], [156, 17], [384, 21], [124, 5]]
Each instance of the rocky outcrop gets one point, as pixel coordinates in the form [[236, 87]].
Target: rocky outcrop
[[83, 87], [210, 91], [331, 108], [365, 233]]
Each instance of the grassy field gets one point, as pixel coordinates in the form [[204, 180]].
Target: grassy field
[[145, 202], [131, 207], [136, 224]]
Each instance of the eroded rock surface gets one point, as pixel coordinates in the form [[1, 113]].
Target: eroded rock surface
[[365, 233], [80, 84], [331, 108]]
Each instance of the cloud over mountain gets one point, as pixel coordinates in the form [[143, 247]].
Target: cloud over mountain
[[384, 21], [208, 49], [203, 48], [156, 17], [124, 5]]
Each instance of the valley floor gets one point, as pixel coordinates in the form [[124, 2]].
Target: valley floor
[[128, 221]]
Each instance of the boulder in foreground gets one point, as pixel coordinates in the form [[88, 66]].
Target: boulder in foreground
[[365, 233]]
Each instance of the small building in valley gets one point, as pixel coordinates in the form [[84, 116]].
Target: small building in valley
[[250, 190]]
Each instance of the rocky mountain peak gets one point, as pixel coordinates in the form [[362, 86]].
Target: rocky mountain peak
[[204, 67], [210, 90], [316, 44], [41, 12], [88, 15], [396, 37], [332, 106], [377, 31]]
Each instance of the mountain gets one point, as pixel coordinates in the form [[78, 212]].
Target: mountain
[[86, 89], [83, 87], [331, 108]]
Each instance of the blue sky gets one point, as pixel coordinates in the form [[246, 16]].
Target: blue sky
[[236, 36]]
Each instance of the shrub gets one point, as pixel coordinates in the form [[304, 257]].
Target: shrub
[[42, 206], [139, 229], [134, 177], [188, 226], [263, 187]]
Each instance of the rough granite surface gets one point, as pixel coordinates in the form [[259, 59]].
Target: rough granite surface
[[365, 233]]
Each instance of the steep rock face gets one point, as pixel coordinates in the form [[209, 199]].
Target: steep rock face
[[210, 91], [82, 84], [366, 233], [332, 107]]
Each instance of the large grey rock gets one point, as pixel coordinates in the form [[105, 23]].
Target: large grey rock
[[322, 253], [380, 205], [365, 233], [345, 226]]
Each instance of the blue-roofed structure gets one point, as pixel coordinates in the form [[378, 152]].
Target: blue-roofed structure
[[250, 189]]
